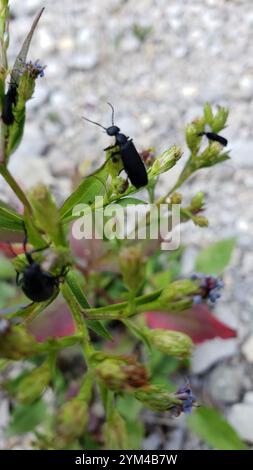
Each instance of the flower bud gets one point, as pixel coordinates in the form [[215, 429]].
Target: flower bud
[[16, 343], [193, 139], [122, 373], [32, 386], [156, 398], [46, 212], [115, 432], [208, 114], [200, 221], [197, 202], [165, 161], [132, 267], [176, 198], [71, 421], [173, 343], [220, 119], [178, 290], [211, 156], [25, 89], [148, 156]]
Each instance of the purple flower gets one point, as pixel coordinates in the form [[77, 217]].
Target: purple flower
[[184, 393], [35, 69], [210, 287]]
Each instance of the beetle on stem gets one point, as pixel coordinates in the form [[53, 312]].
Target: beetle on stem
[[132, 162], [36, 283]]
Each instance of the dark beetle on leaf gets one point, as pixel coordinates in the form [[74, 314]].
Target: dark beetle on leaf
[[10, 100], [215, 137], [132, 162], [37, 284]]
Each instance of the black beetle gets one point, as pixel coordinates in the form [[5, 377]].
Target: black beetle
[[215, 137], [132, 162], [37, 284], [10, 99]]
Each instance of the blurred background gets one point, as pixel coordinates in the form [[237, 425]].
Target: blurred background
[[158, 62]]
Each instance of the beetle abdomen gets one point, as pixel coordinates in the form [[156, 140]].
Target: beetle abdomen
[[37, 284], [133, 165]]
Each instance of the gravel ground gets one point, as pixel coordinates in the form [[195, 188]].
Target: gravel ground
[[157, 62]]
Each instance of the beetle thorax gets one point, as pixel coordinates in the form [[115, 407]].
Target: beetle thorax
[[121, 138]]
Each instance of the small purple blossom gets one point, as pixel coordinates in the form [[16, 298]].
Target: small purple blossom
[[210, 287], [35, 69], [184, 393]]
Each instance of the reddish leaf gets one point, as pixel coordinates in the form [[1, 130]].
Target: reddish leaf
[[11, 251], [198, 322], [53, 324]]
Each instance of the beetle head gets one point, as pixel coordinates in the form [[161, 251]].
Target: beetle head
[[112, 130]]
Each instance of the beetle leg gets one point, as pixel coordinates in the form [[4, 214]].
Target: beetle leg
[[18, 280], [28, 306], [28, 254], [62, 274]]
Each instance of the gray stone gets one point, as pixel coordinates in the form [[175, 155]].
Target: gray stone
[[225, 383], [247, 349], [210, 352], [152, 442], [241, 418], [129, 43], [188, 260], [248, 398], [84, 61], [242, 153]]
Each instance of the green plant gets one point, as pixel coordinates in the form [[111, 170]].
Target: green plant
[[95, 298]]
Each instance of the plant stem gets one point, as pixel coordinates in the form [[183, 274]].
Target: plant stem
[[15, 187], [187, 171], [110, 309], [81, 327]]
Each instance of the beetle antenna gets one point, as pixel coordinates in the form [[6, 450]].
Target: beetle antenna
[[112, 108], [93, 122]]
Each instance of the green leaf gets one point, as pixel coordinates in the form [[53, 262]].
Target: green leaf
[[26, 418], [22, 55], [129, 407], [136, 433], [9, 219], [115, 431], [7, 293], [92, 186], [14, 133], [162, 367], [215, 258], [130, 201], [212, 427], [162, 279], [73, 281], [7, 271], [137, 332], [99, 328]]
